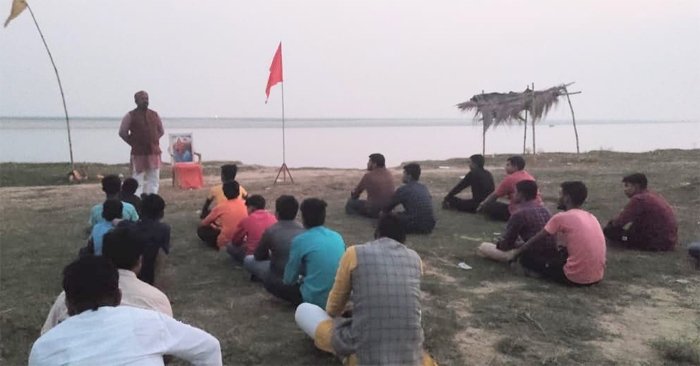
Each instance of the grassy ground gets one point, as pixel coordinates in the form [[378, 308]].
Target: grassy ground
[[646, 312]]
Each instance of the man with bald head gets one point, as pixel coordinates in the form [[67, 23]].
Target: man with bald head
[[142, 128]]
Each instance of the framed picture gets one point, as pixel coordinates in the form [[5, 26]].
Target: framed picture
[[180, 147]]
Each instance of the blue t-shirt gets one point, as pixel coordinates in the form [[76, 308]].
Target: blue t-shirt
[[315, 254], [128, 213], [98, 232]]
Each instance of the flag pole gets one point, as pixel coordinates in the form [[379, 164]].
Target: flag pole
[[60, 87], [284, 146]]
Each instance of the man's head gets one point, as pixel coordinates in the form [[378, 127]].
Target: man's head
[[287, 207], [525, 190], [111, 184], [572, 195], [411, 172], [255, 202], [141, 100], [376, 160], [231, 190], [112, 209], [91, 282], [124, 246], [152, 206], [514, 164], [228, 172], [313, 212], [389, 226], [634, 183], [476, 161], [129, 186]]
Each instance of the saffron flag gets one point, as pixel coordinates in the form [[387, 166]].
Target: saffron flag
[[17, 7], [275, 72]]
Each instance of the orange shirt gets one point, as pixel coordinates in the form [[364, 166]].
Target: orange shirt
[[226, 217], [216, 193]]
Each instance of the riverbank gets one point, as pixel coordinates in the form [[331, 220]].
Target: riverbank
[[644, 312]]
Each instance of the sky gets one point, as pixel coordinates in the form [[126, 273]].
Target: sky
[[352, 59]]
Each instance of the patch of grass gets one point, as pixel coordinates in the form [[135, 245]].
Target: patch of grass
[[684, 351], [42, 229], [511, 346]]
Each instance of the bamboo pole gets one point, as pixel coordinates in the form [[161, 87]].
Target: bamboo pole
[[525, 133], [60, 87], [534, 146], [573, 118], [483, 133]]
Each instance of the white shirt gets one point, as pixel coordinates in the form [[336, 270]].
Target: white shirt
[[123, 335], [135, 293]]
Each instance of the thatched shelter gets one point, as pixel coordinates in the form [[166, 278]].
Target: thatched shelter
[[494, 109]]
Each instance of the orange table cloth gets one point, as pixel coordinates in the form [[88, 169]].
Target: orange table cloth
[[188, 175]]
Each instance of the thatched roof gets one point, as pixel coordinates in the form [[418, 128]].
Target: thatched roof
[[506, 108]]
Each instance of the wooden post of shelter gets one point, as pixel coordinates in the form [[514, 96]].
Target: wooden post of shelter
[[573, 118], [483, 133], [534, 150], [525, 132]]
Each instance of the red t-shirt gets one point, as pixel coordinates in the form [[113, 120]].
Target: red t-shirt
[[579, 231], [250, 230], [507, 188]]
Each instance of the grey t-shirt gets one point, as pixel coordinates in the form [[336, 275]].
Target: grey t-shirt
[[275, 245]]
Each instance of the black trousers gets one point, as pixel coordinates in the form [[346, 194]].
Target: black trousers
[[290, 293], [208, 235], [462, 205], [550, 265], [497, 211]]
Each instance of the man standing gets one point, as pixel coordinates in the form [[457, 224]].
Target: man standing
[[418, 216], [515, 172], [98, 332], [141, 129], [581, 259], [652, 222], [379, 185], [481, 182]]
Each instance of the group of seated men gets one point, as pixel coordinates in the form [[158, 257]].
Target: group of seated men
[[363, 303]]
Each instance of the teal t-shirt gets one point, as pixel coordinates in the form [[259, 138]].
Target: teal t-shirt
[[128, 213], [315, 255]]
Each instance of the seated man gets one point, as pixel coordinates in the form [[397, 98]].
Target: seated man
[[111, 185], [124, 247], [272, 253], [128, 193], [581, 259], [217, 228], [481, 182], [156, 235], [111, 213], [216, 193], [515, 172], [382, 280], [314, 256], [647, 222], [379, 185], [418, 216], [522, 225], [250, 229], [99, 332]]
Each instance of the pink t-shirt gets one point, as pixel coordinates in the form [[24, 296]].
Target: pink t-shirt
[[250, 230], [507, 188], [579, 231]]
